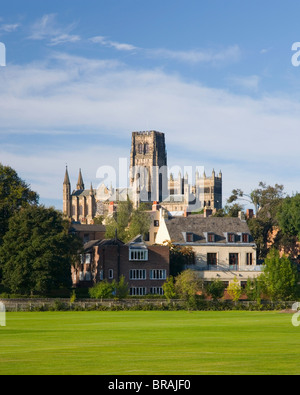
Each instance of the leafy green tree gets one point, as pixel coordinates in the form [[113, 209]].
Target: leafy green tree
[[187, 285], [232, 210], [260, 228], [169, 288], [280, 277], [180, 257], [38, 251], [139, 223], [127, 222], [121, 288], [265, 195], [254, 289], [267, 200], [216, 289], [14, 195], [289, 216], [234, 290], [102, 290]]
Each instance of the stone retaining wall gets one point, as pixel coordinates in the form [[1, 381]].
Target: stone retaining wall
[[15, 305]]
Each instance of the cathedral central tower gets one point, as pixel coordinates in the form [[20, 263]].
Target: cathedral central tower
[[148, 166]]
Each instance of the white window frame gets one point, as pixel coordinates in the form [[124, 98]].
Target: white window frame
[[110, 274], [158, 274], [137, 274], [138, 291], [138, 255]]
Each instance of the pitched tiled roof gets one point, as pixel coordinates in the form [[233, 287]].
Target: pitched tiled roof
[[200, 227], [88, 247], [87, 228]]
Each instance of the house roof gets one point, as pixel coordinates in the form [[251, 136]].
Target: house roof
[[88, 247], [87, 228], [137, 243], [200, 227]]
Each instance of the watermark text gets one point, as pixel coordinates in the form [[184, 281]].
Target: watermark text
[[2, 55], [2, 314]]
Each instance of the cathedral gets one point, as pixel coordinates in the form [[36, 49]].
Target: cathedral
[[150, 181]]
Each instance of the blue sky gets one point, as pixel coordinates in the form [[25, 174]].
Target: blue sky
[[215, 76]]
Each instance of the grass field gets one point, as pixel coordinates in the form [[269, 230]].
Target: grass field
[[149, 343]]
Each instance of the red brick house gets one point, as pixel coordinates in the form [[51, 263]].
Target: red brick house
[[145, 268]]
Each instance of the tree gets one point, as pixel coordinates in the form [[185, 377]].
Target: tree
[[119, 221], [234, 290], [254, 289], [187, 285], [264, 195], [216, 289], [108, 290], [37, 251], [180, 257], [121, 288], [169, 288], [232, 210], [280, 277], [267, 200], [139, 223], [260, 228], [128, 222], [14, 195], [289, 216], [102, 290]]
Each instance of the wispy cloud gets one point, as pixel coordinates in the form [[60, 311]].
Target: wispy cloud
[[221, 56], [47, 28], [114, 44], [230, 54], [8, 28], [250, 83], [67, 94]]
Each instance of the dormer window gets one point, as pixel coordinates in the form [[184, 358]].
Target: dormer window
[[231, 238], [189, 237], [211, 238], [245, 238]]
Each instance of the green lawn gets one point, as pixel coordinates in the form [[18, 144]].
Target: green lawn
[[154, 343]]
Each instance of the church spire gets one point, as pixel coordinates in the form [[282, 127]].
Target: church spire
[[67, 178], [80, 184], [91, 190]]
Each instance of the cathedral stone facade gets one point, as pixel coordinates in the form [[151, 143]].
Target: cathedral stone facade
[[149, 181], [148, 166]]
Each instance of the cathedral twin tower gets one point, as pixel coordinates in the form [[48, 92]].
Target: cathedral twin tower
[[149, 182]]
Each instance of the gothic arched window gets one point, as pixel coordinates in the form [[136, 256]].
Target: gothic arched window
[[140, 148], [146, 148]]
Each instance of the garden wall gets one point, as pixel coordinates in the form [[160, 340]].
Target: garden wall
[[15, 305]]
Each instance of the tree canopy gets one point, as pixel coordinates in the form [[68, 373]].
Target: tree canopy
[[14, 195], [37, 251], [267, 200], [289, 216], [128, 222], [280, 277]]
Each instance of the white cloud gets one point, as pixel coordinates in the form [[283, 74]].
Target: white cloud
[[210, 126], [250, 83], [47, 28], [228, 55], [218, 56], [114, 44], [8, 28]]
